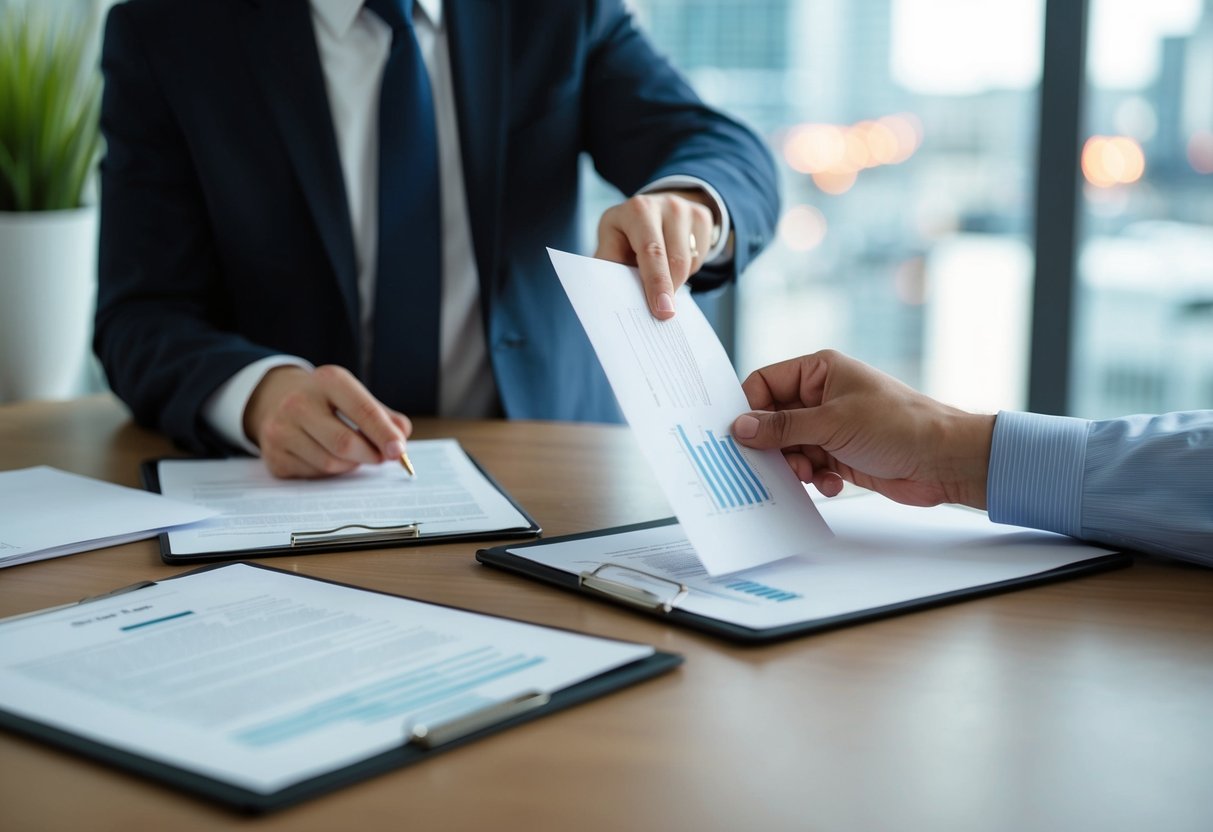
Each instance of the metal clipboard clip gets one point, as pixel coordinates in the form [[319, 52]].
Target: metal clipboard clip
[[432, 736], [343, 534], [595, 581]]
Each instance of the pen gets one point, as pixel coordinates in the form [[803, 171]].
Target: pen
[[404, 457]]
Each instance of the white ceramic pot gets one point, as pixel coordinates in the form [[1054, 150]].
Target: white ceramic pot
[[48, 291]]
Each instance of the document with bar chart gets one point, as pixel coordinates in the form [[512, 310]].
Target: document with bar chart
[[739, 507], [885, 557]]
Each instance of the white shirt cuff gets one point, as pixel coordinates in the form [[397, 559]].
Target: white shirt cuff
[[224, 409], [722, 250]]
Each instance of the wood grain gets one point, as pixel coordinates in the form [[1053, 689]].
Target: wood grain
[[1078, 705]]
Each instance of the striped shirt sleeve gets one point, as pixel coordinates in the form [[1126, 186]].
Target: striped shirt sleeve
[[1140, 482]]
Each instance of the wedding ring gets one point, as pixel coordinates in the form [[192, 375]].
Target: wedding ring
[[694, 249]]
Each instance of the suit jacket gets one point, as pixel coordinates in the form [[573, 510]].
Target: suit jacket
[[225, 233]]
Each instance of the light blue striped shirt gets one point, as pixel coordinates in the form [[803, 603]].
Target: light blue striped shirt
[[1141, 482]]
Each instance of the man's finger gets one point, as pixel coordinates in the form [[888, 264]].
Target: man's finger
[[356, 403], [302, 458], [702, 226], [780, 428], [677, 229], [639, 222], [799, 382]]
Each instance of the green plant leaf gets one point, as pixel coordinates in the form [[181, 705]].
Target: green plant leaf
[[50, 94]]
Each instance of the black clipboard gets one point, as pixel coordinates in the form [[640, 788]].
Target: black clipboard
[[399, 536], [503, 557], [409, 752]]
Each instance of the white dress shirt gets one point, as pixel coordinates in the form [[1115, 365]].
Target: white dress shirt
[[354, 44]]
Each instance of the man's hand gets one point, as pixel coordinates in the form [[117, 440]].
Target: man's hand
[[293, 417], [653, 232], [836, 418]]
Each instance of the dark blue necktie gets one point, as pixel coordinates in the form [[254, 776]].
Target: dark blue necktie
[[408, 283]]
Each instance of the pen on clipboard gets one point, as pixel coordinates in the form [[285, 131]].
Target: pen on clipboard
[[396, 448], [405, 462]]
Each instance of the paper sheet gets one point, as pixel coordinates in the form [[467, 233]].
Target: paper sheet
[[739, 507], [883, 553], [46, 513], [448, 495], [263, 679]]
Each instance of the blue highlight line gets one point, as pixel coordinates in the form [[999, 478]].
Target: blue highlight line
[[444, 685], [725, 472], [155, 621]]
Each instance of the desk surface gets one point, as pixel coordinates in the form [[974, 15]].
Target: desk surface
[[1080, 705]]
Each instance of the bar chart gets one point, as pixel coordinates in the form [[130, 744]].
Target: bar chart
[[760, 590], [724, 472]]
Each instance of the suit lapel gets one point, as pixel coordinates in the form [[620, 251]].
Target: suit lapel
[[281, 46], [478, 37]]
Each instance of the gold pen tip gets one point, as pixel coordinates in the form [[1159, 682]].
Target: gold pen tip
[[408, 465]]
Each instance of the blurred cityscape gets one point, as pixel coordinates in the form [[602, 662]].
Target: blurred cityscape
[[905, 133]]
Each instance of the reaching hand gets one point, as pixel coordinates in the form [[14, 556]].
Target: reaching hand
[[836, 418], [665, 234], [293, 417]]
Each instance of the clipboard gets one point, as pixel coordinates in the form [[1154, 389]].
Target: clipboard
[[421, 744], [342, 537], [659, 596]]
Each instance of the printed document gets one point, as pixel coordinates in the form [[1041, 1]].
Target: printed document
[[738, 507], [883, 553], [46, 513], [257, 510], [263, 678]]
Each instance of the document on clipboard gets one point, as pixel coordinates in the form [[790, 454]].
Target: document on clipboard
[[259, 687], [374, 506], [886, 558]]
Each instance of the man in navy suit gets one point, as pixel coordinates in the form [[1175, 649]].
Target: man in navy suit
[[249, 214]]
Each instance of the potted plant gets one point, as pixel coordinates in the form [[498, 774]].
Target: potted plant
[[50, 140]]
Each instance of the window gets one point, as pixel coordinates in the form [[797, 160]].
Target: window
[[906, 133], [1143, 339]]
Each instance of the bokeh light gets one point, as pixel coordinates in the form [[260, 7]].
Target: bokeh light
[[802, 228], [1112, 160], [834, 154], [1200, 151]]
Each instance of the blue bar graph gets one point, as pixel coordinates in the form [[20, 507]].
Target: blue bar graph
[[762, 590], [727, 476]]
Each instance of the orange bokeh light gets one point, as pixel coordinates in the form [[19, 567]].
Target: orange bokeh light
[[814, 147], [907, 130], [802, 228], [835, 182], [834, 154], [881, 141], [1112, 160]]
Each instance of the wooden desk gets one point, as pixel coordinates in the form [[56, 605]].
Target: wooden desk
[[1081, 705]]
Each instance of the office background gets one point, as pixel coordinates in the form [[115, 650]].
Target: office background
[[907, 136], [914, 155]]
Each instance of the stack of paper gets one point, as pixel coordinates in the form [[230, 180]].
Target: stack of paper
[[45, 513]]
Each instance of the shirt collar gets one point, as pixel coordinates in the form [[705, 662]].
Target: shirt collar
[[338, 15]]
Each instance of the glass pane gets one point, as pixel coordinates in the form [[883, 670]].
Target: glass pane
[[905, 135], [1144, 332]]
